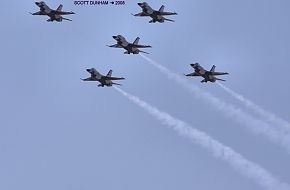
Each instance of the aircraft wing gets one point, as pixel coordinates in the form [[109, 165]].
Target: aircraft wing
[[140, 14], [198, 68], [94, 73], [88, 79], [60, 12], [194, 74], [219, 73], [136, 44], [43, 7], [38, 13], [115, 46], [113, 78], [141, 46], [64, 13], [146, 8], [121, 40], [167, 13]]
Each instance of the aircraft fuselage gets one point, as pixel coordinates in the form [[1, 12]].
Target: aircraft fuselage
[[103, 82], [208, 77]]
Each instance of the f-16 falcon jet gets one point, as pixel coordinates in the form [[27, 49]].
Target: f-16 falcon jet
[[54, 15], [207, 75], [157, 16], [104, 80], [130, 47]]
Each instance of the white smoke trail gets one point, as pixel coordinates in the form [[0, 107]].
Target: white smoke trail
[[267, 116], [254, 125], [237, 161]]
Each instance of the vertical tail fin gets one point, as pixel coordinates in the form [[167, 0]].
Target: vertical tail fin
[[59, 8], [109, 73], [212, 69], [162, 8], [136, 41]]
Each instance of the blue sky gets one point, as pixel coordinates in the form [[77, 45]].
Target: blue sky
[[57, 132]]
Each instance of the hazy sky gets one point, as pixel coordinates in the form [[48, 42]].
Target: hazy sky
[[58, 132]]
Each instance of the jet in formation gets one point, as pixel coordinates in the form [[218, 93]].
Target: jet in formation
[[207, 75], [157, 16], [54, 15], [102, 79], [129, 47]]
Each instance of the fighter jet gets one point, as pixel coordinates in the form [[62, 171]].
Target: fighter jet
[[130, 47], [157, 16], [207, 75], [54, 15], [104, 80]]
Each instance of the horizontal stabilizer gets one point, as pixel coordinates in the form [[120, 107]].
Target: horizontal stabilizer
[[169, 20], [220, 79], [116, 84], [143, 52], [66, 19]]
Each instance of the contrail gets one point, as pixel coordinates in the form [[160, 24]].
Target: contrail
[[267, 116], [237, 161], [256, 126]]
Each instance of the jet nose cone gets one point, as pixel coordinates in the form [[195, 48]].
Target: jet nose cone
[[37, 3], [140, 4], [89, 70], [115, 37]]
